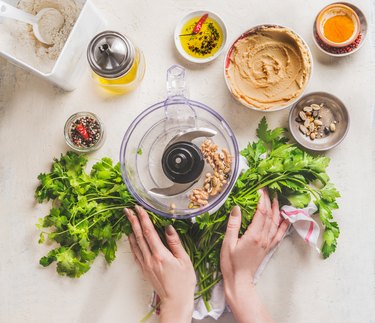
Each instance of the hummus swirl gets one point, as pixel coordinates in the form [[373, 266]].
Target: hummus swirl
[[269, 68]]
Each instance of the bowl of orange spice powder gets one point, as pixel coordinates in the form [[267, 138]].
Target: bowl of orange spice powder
[[338, 25]]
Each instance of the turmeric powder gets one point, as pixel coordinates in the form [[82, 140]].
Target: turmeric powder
[[339, 28]]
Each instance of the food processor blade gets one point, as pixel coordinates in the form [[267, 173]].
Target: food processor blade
[[191, 134], [183, 161], [172, 190]]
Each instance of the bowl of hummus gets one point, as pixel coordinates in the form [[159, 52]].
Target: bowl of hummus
[[268, 68]]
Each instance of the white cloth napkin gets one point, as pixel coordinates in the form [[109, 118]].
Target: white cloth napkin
[[300, 220]]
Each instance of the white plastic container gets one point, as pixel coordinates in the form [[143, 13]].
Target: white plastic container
[[71, 63]]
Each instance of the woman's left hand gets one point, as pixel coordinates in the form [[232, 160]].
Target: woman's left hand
[[170, 272]]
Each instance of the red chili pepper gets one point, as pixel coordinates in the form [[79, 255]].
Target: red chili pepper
[[199, 24], [82, 131]]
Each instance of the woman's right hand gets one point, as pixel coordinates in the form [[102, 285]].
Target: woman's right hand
[[241, 257]]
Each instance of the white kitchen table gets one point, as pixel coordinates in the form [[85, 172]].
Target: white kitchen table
[[297, 285]]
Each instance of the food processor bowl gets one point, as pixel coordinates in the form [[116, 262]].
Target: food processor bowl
[[167, 155]]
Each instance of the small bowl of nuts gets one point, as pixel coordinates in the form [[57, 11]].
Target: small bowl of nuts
[[319, 121]]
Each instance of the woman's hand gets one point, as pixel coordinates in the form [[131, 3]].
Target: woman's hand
[[170, 272], [241, 257]]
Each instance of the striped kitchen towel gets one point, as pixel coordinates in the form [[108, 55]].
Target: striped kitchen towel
[[303, 223]]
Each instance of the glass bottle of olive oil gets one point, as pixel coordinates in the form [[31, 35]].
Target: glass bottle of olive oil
[[118, 66]]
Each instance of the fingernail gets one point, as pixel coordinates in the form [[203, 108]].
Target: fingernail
[[137, 208], [170, 230], [128, 212], [236, 211]]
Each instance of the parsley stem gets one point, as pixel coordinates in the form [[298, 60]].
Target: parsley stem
[[202, 291], [265, 184], [207, 252], [205, 278], [251, 190], [313, 192], [101, 211], [118, 221], [207, 304], [91, 215], [105, 197], [148, 315], [74, 244]]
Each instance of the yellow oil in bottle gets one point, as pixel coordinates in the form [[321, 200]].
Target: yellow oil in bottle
[[125, 83], [206, 42], [118, 66]]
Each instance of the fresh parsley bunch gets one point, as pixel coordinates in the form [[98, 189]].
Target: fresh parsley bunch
[[87, 214], [297, 176]]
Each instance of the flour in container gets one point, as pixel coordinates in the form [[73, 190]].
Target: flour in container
[[50, 25], [17, 38]]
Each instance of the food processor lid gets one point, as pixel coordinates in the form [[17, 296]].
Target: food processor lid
[[111, 54]]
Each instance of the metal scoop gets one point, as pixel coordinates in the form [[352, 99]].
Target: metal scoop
[[9, 11]]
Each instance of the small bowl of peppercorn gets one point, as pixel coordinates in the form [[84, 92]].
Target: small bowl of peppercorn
[[319, 121], [84, 132]]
